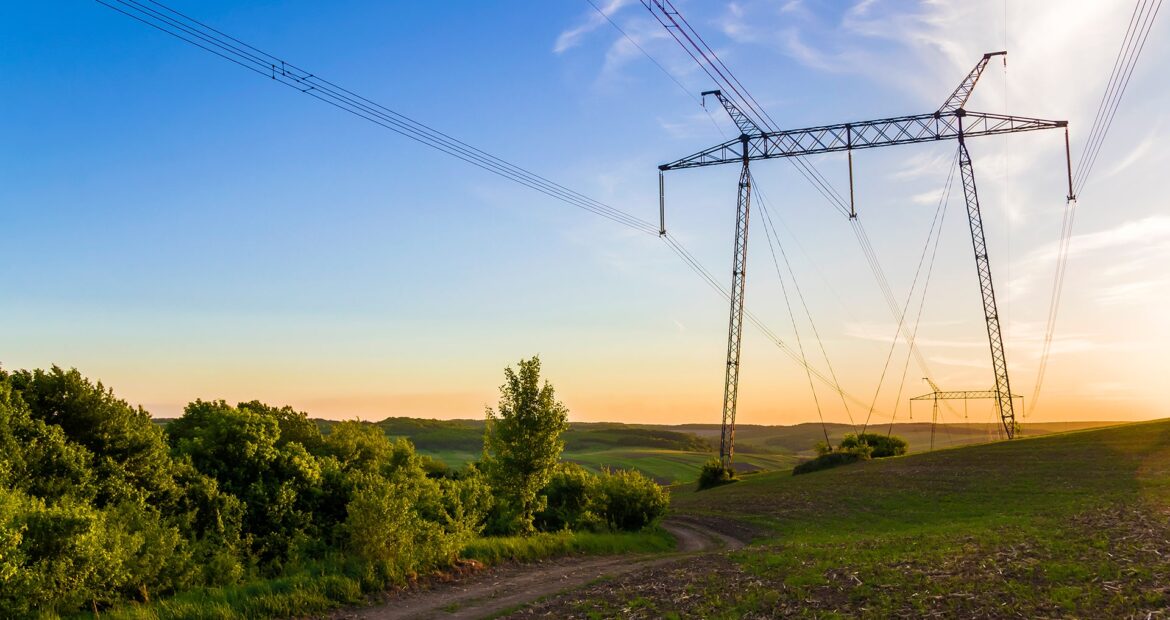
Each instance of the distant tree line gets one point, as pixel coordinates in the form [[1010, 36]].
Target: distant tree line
[[99, 505]]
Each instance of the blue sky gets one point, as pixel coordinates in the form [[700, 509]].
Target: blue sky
[[181, 228]]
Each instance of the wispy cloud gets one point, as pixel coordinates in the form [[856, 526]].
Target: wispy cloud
[[929, 197], [964, 362], [1123, 264], [572, 37], [885, 332], [1137, 154], [924, 163], [1150, 232], [733, 24], [1134, 292]]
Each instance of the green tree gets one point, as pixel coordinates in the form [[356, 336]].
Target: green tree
[[295, 426], [240, 449], [522, 445], [130, 459]]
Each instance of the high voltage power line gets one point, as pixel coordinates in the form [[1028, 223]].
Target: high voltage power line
[[203, 36], [229, 48], [1132, 45]]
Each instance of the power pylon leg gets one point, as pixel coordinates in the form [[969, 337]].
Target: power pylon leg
[[1003, 392], [735, 324]]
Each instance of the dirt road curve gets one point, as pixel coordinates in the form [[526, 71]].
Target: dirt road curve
[[508, 587]]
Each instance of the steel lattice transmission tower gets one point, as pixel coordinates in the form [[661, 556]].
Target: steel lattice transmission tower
[[950, 122], [964, 395]]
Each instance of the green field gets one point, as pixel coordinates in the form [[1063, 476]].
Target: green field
[[671, 454], [1075, 524], [671, 466]]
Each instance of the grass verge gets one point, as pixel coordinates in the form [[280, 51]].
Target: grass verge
[[497, 549], [313, 590], [320, 587]]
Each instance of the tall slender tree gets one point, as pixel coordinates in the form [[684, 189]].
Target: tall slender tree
[[522, 445]]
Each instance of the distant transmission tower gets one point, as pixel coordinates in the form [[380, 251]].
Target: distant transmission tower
[[964, 395]]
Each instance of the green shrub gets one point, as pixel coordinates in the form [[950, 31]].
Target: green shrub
[[827, 461], [879, 446], [571, 499], [629, 501], [714, 474], [65, 556], [386, 532], [406, 523]]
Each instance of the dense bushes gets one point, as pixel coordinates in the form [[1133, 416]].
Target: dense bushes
[[534, 491], [714, 474], [629, 501], [93, 507], [578, 500], [570, 501], [853, 448], [878, 446], [99, 505]]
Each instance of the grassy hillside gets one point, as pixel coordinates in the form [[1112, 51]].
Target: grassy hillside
[[800, 438], [667, 466], [1075, 524]]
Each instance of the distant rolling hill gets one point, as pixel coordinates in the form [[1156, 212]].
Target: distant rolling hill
[[674, 453]]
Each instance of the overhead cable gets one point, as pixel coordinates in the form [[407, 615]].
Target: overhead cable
[[209, 39], [1132, 44]]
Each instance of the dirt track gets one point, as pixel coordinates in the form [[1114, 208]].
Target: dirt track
[[505, 588]]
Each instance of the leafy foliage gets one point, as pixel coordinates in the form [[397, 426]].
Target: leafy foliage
[[853, 448], [714, 474], [129, 459], [623, 500], [522, 445], [99, 505], [570, 501], [630, 501], [879, 446]]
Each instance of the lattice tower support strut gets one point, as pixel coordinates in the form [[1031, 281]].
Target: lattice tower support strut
[[1003, 392], [735, 322]]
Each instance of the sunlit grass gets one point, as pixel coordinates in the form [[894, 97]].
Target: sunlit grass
[[323, 586], [1071, 524], [496, 549]]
